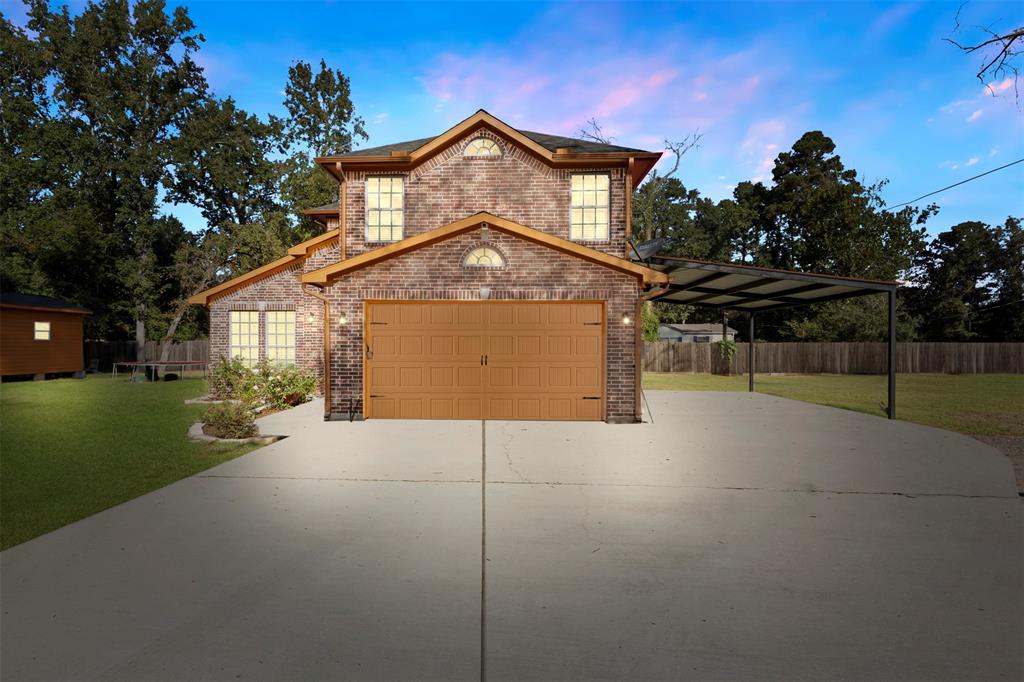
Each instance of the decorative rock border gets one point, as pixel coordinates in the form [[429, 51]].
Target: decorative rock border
[[195, 432], [203, 400]]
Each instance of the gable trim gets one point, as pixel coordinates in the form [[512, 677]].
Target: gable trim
[[296, 254], [325, 274]]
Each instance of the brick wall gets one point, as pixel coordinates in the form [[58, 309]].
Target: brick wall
[[280, 291], [533, 272], [515, 186]]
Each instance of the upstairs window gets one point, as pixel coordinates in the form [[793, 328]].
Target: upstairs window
[[483, 257], [482, 146], [385, 208], [244, 333], [41, 331], [589, 207], [281, 337]]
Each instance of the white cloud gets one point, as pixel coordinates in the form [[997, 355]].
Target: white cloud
[[995, 150], [975, 116], [971, 161], [721, 177]]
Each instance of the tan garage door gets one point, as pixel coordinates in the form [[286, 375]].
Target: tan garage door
[[484, 360]]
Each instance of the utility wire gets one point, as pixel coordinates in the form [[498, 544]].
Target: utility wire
[[912, 201]]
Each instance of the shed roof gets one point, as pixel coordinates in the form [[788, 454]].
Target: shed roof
[[13, 299]]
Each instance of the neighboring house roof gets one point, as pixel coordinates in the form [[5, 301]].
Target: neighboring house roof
[[321, 213], [295, 254], [554, 150], [696, 328], [323, 275], [10, 299]]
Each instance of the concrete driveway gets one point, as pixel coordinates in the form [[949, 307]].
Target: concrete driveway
[[737, 537]]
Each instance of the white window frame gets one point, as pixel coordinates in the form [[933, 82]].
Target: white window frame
[[389, 210], [498, 260], [276, 319], [39, 328], [579, 207], [478, 142], [250, 351]]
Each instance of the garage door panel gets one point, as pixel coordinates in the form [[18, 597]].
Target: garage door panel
[[543, 360]]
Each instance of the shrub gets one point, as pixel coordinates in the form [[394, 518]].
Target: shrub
[[280, 386], [226, 377], [230, 420]]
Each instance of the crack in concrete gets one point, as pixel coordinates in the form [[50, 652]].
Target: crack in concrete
[[506, 447], [618, 485]]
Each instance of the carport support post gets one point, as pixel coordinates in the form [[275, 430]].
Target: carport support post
[[750, 353], [892, 354]]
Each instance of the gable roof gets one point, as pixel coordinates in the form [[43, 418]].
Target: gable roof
[[296, 254], [549, 142], [11, 299], [365, 259], [554, 150]]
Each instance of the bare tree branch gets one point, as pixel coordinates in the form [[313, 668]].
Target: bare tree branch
[[592, 131], [1000, 53]]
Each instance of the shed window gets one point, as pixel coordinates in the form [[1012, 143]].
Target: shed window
[[589, 207], [245, 336], [385, 208], [483, 257], [41, 331], [281, 336], [482, 146]]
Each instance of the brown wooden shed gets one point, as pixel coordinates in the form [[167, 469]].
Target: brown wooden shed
[[40, 335]]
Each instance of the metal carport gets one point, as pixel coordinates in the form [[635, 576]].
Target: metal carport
[[752, 289]]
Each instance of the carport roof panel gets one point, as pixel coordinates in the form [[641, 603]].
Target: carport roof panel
[[747, 287]]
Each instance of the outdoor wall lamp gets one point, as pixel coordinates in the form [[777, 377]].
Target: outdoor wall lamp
[[485, 293], [625, 319], [311, 318], [342, 320]]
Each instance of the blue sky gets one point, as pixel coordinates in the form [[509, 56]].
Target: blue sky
[[900, 103]]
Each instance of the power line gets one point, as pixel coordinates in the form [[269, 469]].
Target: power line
[[912, 201]]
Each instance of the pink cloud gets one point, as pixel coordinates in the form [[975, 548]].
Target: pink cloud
[[994, 87], [974, 116]]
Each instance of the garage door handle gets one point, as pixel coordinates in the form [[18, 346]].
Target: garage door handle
[[591, 397], [485, 359]]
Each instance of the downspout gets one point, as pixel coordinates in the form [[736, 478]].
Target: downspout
[[327, 349], [343, 213]]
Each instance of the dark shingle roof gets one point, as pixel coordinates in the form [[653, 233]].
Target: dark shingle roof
[[550, 142], [35, 301]]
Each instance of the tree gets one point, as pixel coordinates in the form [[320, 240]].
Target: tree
[[1005, 319], [957, 271], [999, 52], [120, 82], [321, 116], [222, 163]]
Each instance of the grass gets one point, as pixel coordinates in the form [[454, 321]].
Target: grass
[[975, 404], [72, 447]]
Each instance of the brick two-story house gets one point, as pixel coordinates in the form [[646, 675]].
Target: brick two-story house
[[479, 274]]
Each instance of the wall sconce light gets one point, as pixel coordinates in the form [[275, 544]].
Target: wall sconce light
[[311, 318], [485, 293], [342, 320], [626, 319], [485, 234]]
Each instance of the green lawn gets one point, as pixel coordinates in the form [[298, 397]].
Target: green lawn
[[72, 447], [975, 404]]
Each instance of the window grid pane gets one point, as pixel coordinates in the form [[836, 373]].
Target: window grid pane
[[589, 212], [244, 332], [281, 336], [41, 331], [482, 146], [483, 257], [385, 205]]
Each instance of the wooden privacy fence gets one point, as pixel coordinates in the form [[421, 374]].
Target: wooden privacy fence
[[838, 358], [109, 352]]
